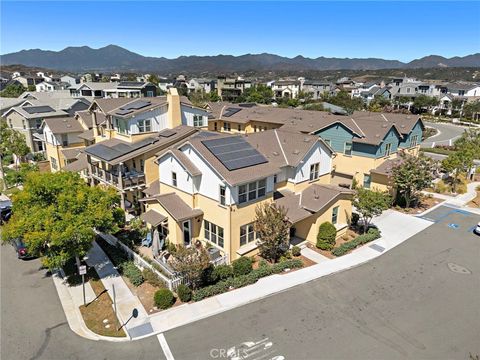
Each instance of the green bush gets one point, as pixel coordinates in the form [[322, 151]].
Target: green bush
[[152, 278], [184, 293], [296, 251], [164, 299], [326, 236], [242, 266], [244, 280], [262, 263], [222, 272], [371, 235], [130, 270]]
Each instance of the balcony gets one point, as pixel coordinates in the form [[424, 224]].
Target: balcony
[[128, 180]]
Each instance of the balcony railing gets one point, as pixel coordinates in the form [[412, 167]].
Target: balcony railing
[[130, 179]]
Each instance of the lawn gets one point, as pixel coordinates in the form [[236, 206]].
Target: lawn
[[100, 309]]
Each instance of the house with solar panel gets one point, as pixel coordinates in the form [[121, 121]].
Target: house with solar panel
[[127, 135], [122, 89], [210, 184], [362, 141]]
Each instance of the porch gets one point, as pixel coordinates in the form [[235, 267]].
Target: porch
[[122, 180]]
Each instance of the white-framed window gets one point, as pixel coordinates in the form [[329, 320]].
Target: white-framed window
[[252, 191], [213, 233], [53, 162], [64, 140], [215, 126], [174, 178], [388, 149], [334, 215], [348, 148], [247, 234], [121, 126], [414, 141], [38, 123], [144, 125], [197, 120], [222, 191], [314, 171], [24, 126], [367, 180]]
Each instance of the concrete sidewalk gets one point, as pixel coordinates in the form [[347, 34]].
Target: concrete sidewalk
[[126, 301]]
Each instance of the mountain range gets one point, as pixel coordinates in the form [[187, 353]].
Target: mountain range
[[114, 58]]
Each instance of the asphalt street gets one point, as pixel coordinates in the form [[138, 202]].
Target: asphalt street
[[33, 324], [448, 134], [420, 300]]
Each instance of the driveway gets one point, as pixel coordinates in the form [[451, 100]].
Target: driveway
[[33, 325], [419, 300]]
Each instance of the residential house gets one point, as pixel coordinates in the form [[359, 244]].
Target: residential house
[[123, 89], [70, 80], [287, 89], [230, 88], [129, 132], [51, 86], [317, 88], [207, 190]]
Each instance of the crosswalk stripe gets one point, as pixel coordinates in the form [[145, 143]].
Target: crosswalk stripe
[[165, 347]]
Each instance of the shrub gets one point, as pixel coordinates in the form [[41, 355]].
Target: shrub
[[184, 293], [326, 236], [222, 272], [354, 219], [244, 280], [119, 217], [164, 298], [133, 273], [371, 235], [262, 263], [441, 187], [152, 278], [296, 251], [242, 266]]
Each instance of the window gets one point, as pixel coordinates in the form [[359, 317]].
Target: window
[[197, 120], [134, 165], [314, 171], [23, 123], [275, 179], [388, 149], [414, 141], [227, 126], [247, 234], [53, 162], [255, 128], [239, 127], [121, 126], [144, 125], [348, 148], [252, 191], [149, 93], [367, 180], [64, 140], [142, 165], [213, 233], [222, 194], [215, 126], [174, 178], [38, 123], [334, 215]]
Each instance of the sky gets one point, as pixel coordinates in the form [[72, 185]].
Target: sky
[[398, 30]]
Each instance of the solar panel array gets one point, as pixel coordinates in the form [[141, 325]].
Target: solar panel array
[[230, 111], [234, 152], [38, 109], [136, 105], [167, 133]]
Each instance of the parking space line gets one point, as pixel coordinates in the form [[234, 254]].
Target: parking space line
[[165, 347]]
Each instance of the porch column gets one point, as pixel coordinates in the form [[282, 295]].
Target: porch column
[[120, 178], [122, 200]]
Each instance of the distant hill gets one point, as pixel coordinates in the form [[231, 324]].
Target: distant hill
[[115, 58]]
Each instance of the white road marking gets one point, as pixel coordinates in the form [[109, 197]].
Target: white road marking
[[165, 347]]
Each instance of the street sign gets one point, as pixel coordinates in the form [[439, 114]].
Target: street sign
[[82, 269]]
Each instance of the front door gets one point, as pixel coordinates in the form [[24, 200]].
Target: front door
[[186, 233]]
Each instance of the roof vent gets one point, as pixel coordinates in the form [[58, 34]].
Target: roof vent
[[384, 126], [306, 139], [377, 135], [296, 152], [275, 153]]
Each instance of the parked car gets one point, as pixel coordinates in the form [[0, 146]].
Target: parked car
[[5, 211], [477, 229], [20, 249]]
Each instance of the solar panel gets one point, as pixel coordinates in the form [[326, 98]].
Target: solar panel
[[167, 133], [234, 152], [123, 112], [139, 104], [38, 109], [230, 111]]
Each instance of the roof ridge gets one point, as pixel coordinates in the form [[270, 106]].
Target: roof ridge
[[281, 147]]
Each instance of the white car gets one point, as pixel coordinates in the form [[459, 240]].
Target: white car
[[477, 229]]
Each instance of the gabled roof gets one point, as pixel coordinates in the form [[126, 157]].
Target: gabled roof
[[176, 207], [64, 125], [86, 117], [71, 153], [185, 161]]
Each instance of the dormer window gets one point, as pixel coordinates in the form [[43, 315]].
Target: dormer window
[[144, 125]]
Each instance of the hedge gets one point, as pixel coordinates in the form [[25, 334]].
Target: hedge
[[164, 298], [242, 266], [371, 235], [244, 280], [326, 236], [130, 270]]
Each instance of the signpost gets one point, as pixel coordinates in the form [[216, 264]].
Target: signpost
[[82, 270]]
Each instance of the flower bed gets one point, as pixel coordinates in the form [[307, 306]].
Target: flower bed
[[244, 280], [371, 235]]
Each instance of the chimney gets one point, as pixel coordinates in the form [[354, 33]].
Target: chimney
[[174, 108]]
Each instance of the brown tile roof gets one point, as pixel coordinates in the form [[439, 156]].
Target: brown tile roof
[[176, 207], [387, 166], [86, 117], [152, 217], [153, 188], [87, 135], [313, 199], [78, 165], [185, 161], [107, 105], [72, 153], [64, 125]]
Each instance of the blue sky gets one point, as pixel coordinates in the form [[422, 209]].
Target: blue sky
[[391, 30]]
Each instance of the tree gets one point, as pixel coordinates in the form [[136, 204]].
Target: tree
[[190, 263], [260, 94], [153, 79], [31, 88], [12, 91], [344, 100], [213, 96], [412, 175], [425, 103], [11, 142], [273, 230], [472, 109], [56, 213], [370, 203], [327, 233]]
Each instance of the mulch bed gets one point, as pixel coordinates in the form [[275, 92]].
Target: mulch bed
[[350, 235], [425, 204]]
